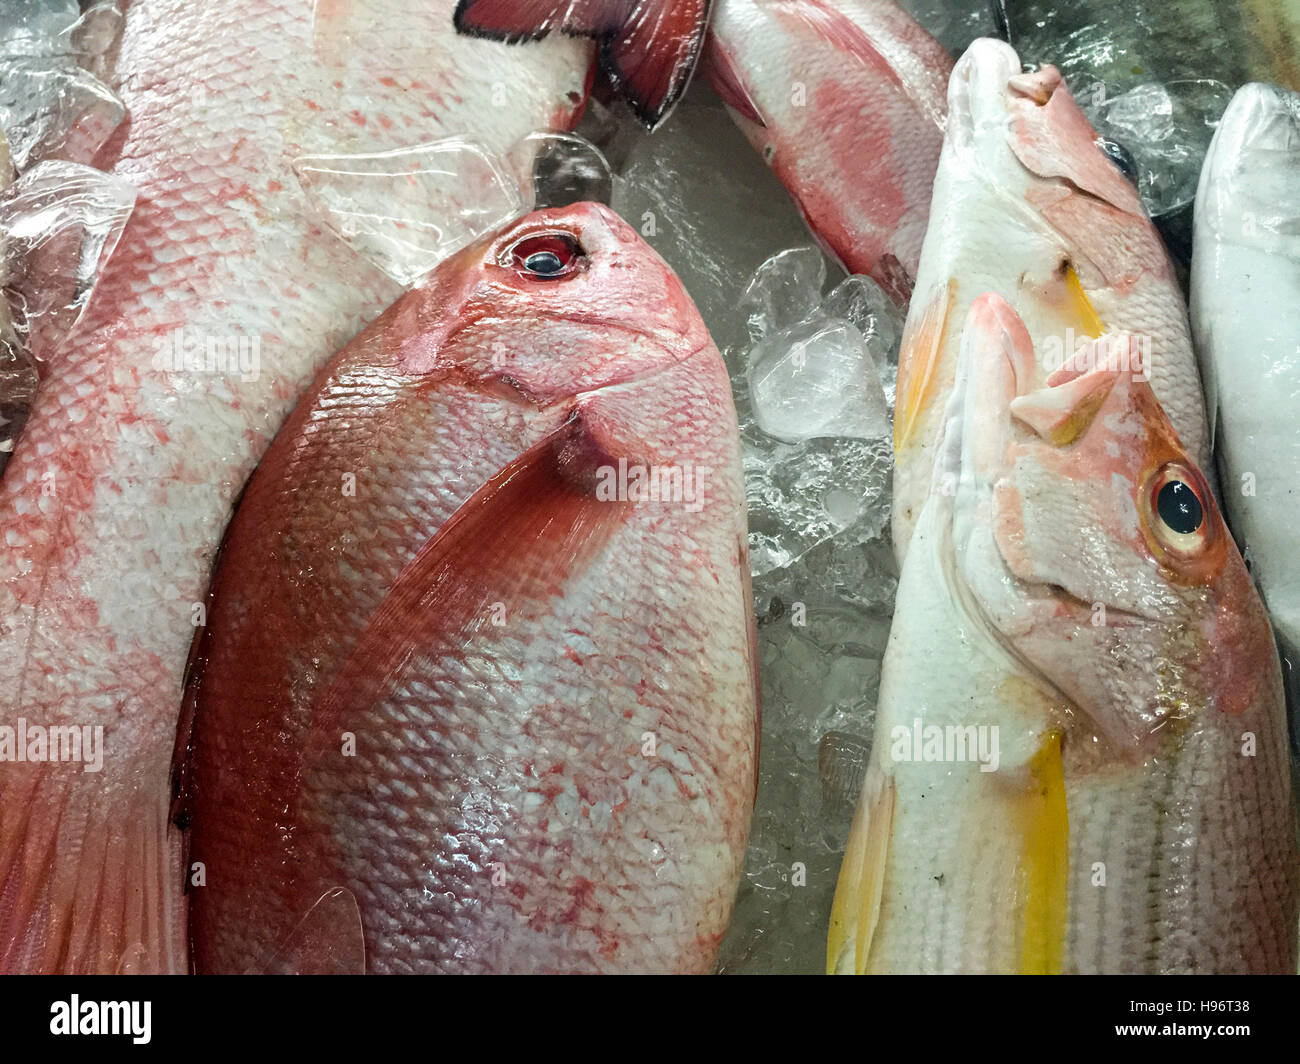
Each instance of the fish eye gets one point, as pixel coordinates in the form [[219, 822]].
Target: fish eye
[[1179, 508], [1120, 156], [546, 256], [1176, 512]]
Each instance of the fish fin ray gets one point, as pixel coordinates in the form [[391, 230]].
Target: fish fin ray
[[57, 918], [861, 883]]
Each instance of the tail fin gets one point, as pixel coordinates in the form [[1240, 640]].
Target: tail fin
[[88, 874], [648, 48]]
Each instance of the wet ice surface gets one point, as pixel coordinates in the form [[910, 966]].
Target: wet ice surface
[[823, 567]]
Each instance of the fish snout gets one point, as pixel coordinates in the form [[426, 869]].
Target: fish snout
[[977, 90]]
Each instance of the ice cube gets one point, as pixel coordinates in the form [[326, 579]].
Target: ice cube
[[59, 222], [817, 379], [1167, 130], [560, 169], [53, 109], [30, 26], [784, 290]]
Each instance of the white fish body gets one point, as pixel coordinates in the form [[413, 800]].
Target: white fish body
[[1246, 317]]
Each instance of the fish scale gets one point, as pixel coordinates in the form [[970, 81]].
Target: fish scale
[[114, 501]]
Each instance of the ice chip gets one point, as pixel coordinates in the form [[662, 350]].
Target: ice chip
[[18, 381], [863, 303], [59, 222], [817, 379], [1167, 129], [30, 27], [558, 169], [53, 109], [407, 210], [784, 290]]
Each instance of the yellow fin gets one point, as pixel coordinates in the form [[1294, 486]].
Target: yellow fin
[[1081, 308], [916, 362], [862, 878], [1044, 862]]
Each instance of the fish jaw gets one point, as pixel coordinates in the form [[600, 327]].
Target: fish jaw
[[1245, 315], [852, 126], [528, 831], [1027, 206]]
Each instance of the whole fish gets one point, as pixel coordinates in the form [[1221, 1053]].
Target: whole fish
[[1246, 319], [1080, 760], [1026, 204], [477, 692], [224, 297], [845, 99]]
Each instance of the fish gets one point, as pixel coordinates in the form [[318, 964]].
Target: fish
[[846, 101], [648, 48], [488, 705], [1245, 301], [1026, 204], [1080, 760], [115, 499]]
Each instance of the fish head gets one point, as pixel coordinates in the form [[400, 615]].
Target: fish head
[[562, 302], [1024, 132], [1091, 543]]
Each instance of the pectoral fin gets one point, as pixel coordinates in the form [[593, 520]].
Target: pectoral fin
[[505, 554]]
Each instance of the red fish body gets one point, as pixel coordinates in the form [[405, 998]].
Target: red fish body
[[467, 700], [846, 100]]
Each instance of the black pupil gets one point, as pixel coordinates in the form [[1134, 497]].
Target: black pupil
[[1179, 507], [544, 263]]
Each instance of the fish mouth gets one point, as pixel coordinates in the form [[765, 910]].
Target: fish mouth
[[977, 95], [993, 408]]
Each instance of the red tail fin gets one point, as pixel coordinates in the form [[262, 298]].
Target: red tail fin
[[648, 48]]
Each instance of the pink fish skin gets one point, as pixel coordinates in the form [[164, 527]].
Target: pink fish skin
[[115, 500], [846, 100], [548, 685]]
